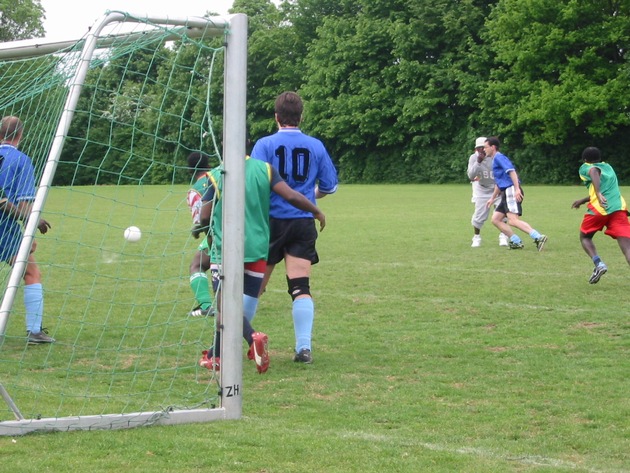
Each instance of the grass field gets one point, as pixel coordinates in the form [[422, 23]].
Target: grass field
[[429, 356]]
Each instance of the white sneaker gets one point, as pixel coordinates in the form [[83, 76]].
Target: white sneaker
[[503, 240], [476, 241]]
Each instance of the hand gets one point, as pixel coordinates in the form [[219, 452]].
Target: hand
[[602, 199], [197, 230], [576, 204], [322, 220], [43, 226]]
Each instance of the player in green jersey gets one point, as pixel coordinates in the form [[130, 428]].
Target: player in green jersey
[[606, 208]]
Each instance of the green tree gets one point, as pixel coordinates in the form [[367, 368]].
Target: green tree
[[21, 20], [560, 82], [388, 88]]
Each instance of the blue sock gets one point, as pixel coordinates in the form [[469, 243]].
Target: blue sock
[[303, 316], [250, 304], [534, 234], [515, 239], [596, 260], [34, 304]]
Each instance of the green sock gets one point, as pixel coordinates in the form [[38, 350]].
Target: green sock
[[201, 290]]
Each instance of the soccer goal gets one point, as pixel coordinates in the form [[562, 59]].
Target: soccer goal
[[109, 120]]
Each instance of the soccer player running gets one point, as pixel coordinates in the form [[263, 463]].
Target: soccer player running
[[508, 185], [260, 179], [606, 208], [480, 175], [17, 181], [305, 165]]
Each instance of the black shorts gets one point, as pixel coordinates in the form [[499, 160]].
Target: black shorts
[[295, 237]]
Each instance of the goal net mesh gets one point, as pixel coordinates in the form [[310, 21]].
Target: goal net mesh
[[118, 310]]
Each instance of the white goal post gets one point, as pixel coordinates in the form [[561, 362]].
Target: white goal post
[[233, 29]]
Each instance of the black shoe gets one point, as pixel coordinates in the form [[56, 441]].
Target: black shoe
[[540, 242], [37, 338], [598, 272], [304, 356], [199, 312]]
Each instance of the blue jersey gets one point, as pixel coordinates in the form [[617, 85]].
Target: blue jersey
[[303, 163], [17, 181], [501, 167]]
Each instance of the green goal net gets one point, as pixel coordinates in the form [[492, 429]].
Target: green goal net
[[108, 123]]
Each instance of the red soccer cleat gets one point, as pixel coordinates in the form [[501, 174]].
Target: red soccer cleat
[[258, 351], [213, 363]]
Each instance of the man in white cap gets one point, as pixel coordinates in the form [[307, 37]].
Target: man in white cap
[[480, 174]]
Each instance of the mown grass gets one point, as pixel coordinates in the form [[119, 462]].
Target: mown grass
[[429, 355]]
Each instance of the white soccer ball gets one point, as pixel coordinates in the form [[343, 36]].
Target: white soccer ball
[[133, 234]]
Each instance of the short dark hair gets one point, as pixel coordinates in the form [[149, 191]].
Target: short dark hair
[[494, 141], [591, 155], [289, 109], [198, 161]]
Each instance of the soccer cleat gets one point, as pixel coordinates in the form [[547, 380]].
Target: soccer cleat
[[503, 240], [516, 246], [598, 272], [40, 337], [213, 363], [199, 312], [540, 242], [304, 356], [258, 351], [476, 241]]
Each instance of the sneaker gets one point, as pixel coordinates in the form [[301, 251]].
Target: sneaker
[[258, 351], [598, 272], [540, 242], [503, 240], [516, 246], [213, 363], [199, 312], [40, 337], [304, 356], [476, 241]]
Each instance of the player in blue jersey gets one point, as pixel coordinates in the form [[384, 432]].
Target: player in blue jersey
[[508, 186], [305, 165], [17, 181], [260, 179]]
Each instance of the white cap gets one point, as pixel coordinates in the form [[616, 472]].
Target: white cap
[[480, 142]]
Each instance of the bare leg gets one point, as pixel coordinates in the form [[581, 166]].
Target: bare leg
[[497, 221], [589, 246], [624, 244], [515, 221]]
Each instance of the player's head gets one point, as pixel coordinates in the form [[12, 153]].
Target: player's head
[[491, 146], [198, 161], [289, 109], [591, 155], [480, 143], [11, 129]]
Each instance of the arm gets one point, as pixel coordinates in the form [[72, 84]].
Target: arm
[[495, 194], [21, 211], [517, 187], [298, 200], [577, 203]]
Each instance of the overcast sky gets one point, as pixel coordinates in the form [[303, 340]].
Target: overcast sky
[[71, 20]]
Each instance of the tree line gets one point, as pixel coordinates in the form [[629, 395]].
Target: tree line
[[399, 89]]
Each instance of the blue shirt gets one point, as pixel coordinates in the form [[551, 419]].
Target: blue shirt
[[303, 163], [17, 181], [501, 167]]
